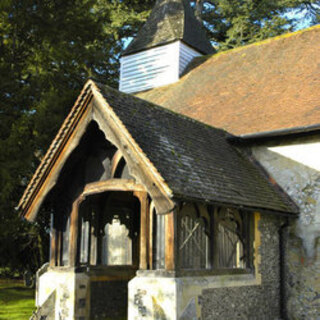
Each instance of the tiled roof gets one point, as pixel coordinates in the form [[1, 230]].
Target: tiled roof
[[196, 160], [171, 20], [261, 87]]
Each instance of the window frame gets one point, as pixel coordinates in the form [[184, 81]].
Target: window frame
[[212, 267]]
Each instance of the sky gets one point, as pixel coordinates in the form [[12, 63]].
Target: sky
[[303, 20]]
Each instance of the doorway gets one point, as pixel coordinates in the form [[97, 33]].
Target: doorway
[[109, 238]]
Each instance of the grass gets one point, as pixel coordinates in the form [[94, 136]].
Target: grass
[[16, 301]]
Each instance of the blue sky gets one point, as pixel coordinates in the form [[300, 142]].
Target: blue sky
[[303, 20]]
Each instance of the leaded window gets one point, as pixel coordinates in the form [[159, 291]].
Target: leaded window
[[84, 246], [85, 238], [65, 241]]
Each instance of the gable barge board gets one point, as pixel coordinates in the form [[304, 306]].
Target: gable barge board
[[49, 179]]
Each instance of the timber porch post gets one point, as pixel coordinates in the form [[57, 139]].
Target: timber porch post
[[53, 242], [170, 241], [74, 230], [144, 210]]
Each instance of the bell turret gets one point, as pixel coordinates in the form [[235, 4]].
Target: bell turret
[[168, 41]]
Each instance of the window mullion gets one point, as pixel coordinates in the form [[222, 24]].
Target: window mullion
[[89, 239], [215, 237], [210, 239]]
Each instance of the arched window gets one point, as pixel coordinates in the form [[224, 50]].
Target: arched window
[[230, 238], [158, 238], [193, 238], [85, 239], [214, 238], [119, 225], [65, 241]]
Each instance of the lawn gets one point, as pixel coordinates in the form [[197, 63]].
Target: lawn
[[16, 301]]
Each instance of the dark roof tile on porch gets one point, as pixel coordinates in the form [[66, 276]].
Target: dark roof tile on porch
[[196, 160]]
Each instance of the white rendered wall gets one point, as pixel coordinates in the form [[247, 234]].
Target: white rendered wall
[[155, 67], [296, 168], [308, 154], [69, 288], [63, 283]]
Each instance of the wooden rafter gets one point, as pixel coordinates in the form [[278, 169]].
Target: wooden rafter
[[115, 162]]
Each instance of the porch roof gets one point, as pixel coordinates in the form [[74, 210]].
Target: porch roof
[[196, 161]]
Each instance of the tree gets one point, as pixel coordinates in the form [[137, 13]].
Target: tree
[[233, 23], [47, 51]]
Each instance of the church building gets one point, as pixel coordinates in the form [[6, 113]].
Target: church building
[[193, 191]]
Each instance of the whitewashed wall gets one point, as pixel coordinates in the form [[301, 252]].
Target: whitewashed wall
[[296, 168], [63, 283], [155, 67]]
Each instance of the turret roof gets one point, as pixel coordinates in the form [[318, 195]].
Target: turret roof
[[169, 21]]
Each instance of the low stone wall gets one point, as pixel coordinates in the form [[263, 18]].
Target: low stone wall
[[251, 302], [81, 296], [242, 296]]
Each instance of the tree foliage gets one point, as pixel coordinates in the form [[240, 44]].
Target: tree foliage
[[233, 23], [49, 48], [47, 51]]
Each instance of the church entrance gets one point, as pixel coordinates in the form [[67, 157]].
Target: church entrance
[[109, 238]]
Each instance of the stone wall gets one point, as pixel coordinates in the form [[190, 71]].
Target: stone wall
[[296, 168], [251, 302], [254, 295]]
